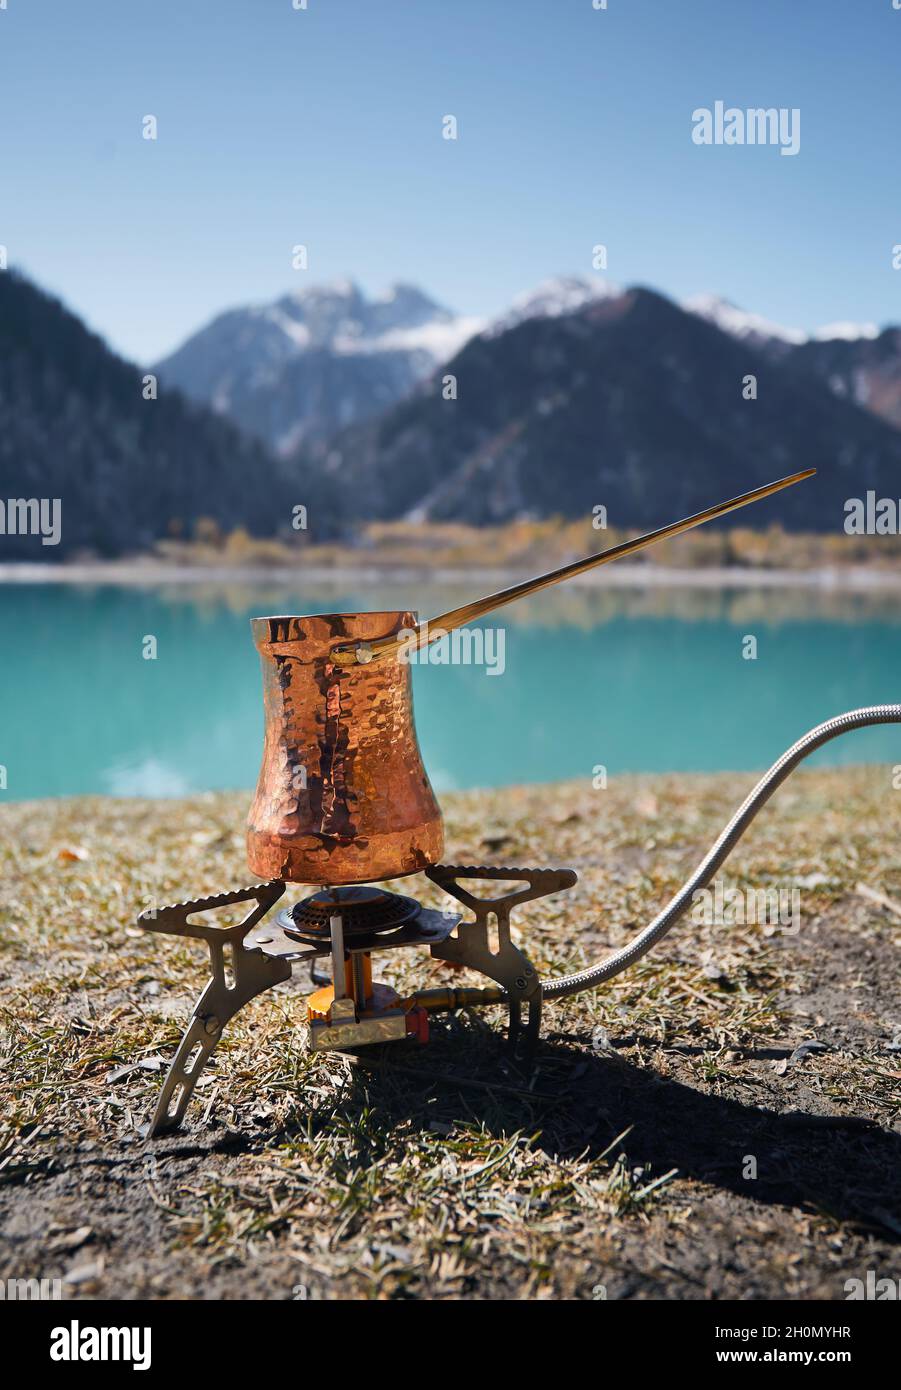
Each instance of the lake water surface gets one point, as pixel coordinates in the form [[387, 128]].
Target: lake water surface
[[632, 680]]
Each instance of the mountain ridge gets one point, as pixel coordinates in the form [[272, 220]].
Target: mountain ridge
[[311, 361], [593, 395], [631, 402], [298, 369]]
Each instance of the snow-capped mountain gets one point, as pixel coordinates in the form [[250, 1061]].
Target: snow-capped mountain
[[847, 332], [857, 361], [296, 371], [586, 395], [564, 294], [739, 323], [316, 360], [628, 399]]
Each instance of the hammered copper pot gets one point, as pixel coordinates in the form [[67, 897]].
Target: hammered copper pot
[[343, 796]]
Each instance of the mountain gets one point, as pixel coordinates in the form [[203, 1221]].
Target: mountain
[[865, 369], [563, 294], [295, 372], [74, 425], [309, 363], [630, 401], [583, 394], [740, 324], [855, 361]]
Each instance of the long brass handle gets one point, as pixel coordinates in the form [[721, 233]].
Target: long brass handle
[[458, 617]]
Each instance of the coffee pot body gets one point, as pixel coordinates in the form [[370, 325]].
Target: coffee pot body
[[343, 795]]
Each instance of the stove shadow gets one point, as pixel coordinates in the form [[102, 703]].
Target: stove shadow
[[579, 1102]]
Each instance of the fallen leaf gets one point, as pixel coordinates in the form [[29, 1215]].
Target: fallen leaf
[[804, 1049], [84, 1273], [154, 1063], [70, 1240], [881, 899]]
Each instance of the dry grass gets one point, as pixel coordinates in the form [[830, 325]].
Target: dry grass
[[617, 1165], [530, 546]]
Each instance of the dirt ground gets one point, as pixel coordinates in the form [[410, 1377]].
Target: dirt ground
[[674, 1139]]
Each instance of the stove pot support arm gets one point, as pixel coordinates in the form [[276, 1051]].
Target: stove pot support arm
[[237, 975]]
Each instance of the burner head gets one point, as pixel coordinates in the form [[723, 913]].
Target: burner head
[[363, 909]]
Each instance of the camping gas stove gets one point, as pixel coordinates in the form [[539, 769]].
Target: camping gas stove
[[349, 925], [343, 800]]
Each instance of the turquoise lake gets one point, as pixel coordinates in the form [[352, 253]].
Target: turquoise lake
[[635, 680]]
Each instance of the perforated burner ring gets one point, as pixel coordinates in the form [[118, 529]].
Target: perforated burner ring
[[363, 910]]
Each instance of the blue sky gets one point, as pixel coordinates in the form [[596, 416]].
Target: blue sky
[[323, 126]]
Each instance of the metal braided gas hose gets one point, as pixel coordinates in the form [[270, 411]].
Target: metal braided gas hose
[[658, 928]]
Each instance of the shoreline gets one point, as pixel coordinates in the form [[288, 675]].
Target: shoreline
[[140, 573]]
